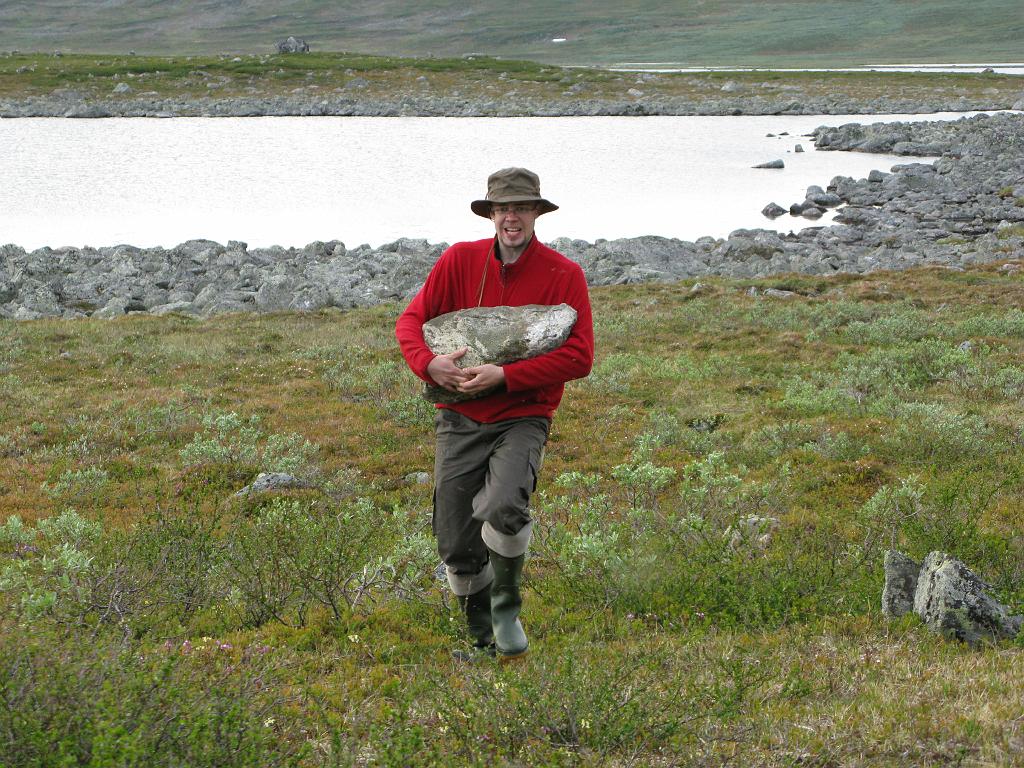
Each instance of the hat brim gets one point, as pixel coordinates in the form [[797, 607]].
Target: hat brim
[[483, 207]]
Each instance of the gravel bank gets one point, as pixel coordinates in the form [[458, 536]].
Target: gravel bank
[[74, 105]]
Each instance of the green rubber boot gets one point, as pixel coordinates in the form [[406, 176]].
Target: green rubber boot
[[477, 610], [506, 600]]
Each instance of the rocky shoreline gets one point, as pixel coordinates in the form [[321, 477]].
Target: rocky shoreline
[[967, 207], [76, 105]]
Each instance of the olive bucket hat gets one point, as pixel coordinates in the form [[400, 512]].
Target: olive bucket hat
[[512, 185]]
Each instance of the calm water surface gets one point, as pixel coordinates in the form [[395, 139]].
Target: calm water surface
[[1005, 68], [292, 180]]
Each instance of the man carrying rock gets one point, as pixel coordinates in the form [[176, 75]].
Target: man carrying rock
[[489, 448]]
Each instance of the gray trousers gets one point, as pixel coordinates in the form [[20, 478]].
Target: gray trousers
[[483, 477]]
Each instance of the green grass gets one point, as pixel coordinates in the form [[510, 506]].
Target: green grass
[[1014, 230], [149, 615], [358, 76], [713, 32]]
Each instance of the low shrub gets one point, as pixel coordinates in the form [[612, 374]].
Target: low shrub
[[719, 551], [88, 699], [290, 555], [53, 568], [899, 326], [817, 396], [235, 440], [580, 704], [926, 431], [78, 484]]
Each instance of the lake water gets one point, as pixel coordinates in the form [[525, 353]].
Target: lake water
[[293, 180], [1005, 68]]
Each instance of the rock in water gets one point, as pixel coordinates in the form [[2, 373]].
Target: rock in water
[[497, 335], [900, 583], [951, 600]]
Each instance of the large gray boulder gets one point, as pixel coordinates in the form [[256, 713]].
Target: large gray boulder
[[8, 291], [277, 293], [901, 573], [38, 300], [821, 198], [116, 307], [182, 307], [293, 45], [497, 335], [951, 600]]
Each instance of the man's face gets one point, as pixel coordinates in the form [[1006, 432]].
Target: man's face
[[513, 223]]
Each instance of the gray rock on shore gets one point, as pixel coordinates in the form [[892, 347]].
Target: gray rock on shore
[[420, 101], [963, 208]]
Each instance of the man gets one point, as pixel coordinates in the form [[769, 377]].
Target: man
[[489, 449]]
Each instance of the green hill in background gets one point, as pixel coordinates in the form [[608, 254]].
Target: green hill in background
[[699, 32]]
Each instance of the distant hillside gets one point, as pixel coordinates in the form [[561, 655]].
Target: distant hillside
[[696, 32]]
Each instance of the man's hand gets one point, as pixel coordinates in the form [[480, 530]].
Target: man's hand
[[482, 378], [446, 373]]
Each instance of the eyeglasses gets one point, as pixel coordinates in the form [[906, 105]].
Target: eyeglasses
[[518, 209]]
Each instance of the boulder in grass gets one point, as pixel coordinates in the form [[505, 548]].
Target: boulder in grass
[[951, 600], [498, 335], [752, 532], [273, 481], [293, 45], [901, 574]]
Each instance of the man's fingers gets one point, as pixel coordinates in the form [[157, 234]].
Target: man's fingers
[[443, 370]]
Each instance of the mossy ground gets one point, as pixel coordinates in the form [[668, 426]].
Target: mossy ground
[[853, 411], [381, 77], [785, 33]]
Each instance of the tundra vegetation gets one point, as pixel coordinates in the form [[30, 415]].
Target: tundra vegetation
[[150, 615], [711, 32], [477, 78]]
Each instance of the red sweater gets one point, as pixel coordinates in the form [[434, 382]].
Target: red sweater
[[539, 276]]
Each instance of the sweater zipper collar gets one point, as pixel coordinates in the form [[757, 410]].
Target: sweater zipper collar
[[516, 266], [508, 273]]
